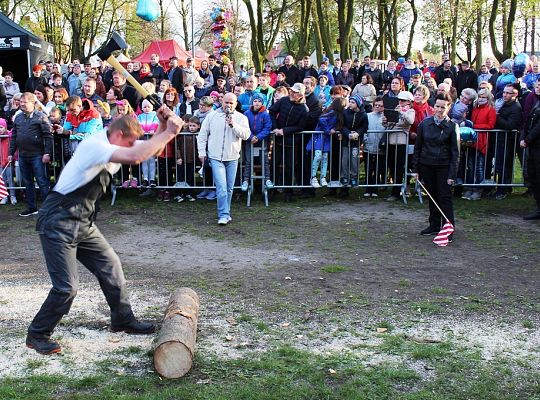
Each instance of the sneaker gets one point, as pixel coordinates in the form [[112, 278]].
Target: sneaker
[[324, 183], [430, 231], [315, 183], [160, 195], [145, 183], [475, 196], [13, 200], [344, 182], [179, 199], [43, 346], [147, 193], [269, 184], [28, 212], [374, 195], [354, 182], [4, 201], [392, 198], [223, 221], [203, 194], [244, 186], [135, 328], [189, 198], [467, 195], [500, 196], [152, 184], [212, 195], [166, 196], [367, 194], [229, 218]]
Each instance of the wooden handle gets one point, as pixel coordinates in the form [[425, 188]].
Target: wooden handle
[[117, 66]]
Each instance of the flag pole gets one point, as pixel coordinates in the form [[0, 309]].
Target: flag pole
[[7, 165], [431, 197]]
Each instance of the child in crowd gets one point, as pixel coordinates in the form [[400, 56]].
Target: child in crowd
[[57, 159], [185, 158], [260, 125], [355, 125], [7, 175], [149, 123], [330, 122], [124, 108], [216, 98], [163, 86], [265, 89], [374, 159], [281, 91], [322, 92]]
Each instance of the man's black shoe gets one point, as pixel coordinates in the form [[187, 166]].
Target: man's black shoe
[[43, 346], [430, 231], [531, 217], [135, 327], [451, 238], [28, 212]]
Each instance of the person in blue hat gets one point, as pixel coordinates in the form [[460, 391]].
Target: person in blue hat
[[260, 125]]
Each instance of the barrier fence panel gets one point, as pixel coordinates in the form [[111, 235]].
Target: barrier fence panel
[[381, 159]]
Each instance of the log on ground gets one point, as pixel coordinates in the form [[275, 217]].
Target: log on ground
[[175, 342]]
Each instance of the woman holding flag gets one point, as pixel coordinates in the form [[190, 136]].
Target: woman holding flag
[[435, 163]]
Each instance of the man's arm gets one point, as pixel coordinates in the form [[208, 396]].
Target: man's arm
[[146, 149]]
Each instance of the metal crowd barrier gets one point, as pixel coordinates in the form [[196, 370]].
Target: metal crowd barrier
[[368, 166]]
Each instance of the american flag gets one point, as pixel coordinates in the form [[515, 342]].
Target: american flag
[[442, 237], [3, 189]]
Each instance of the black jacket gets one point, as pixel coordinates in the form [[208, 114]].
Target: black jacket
[[177, 79], [131, 95], [437, 145], [510, 116], [467, 79], [314, 111], [387, 77], [32, 83], [158, 73], [289, 116], [292, 74], [441, 75], [309, 71], [194, 106], [531, 133], [376, 74], [31, 135], [354, 122]]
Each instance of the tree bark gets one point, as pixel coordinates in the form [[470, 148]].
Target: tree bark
[[175, 342], [479, 51], [326, 39], [345, 21], [508, 31]]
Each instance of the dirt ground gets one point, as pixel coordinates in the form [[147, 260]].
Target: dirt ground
[[321, 274]]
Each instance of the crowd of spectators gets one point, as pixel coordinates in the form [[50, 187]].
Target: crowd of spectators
[[347, 102]]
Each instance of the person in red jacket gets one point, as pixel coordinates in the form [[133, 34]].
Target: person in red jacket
[[483, 116]]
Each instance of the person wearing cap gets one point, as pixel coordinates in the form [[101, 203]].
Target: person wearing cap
[[324, 70], [220, 86], [190, 73], [219, 141], [156, 70], [35, 80], [175, 74], [260, 125], [291, 71], [466, 78], [397, 141], [505, 77], [289, 116]]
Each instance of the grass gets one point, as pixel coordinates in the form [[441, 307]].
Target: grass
[[288, 373]]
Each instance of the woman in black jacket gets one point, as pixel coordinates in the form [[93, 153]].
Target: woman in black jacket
[[435, 161]]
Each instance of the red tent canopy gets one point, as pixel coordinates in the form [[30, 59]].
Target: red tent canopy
[[166, 49]]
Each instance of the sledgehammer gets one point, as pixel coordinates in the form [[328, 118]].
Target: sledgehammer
[[116, 42]]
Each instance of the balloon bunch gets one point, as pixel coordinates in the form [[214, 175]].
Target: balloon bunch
[[222, 40], [521, 63]]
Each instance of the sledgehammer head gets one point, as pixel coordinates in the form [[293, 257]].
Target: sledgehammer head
[[116, 42]]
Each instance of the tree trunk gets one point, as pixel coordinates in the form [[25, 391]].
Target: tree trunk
[[479, 52], [533, 31], [508, 31], [305, 19], [453, 43], [411, 29], [318, 40], [175, 342], [326, 39], [345, 20]]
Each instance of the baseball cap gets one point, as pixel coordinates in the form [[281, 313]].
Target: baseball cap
[[299, 88], [404, 95]]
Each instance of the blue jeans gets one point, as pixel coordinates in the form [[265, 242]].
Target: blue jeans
[[224, 173], [32, 167]]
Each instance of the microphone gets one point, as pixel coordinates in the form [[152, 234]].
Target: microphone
[[228, 115]]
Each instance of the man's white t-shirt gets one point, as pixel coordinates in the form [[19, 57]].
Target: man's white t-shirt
[[91, 157]]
